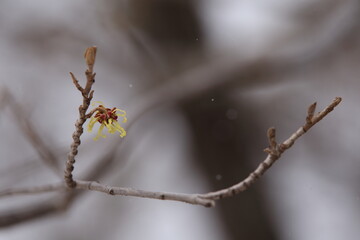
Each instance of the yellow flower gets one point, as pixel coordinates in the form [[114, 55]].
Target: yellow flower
[[107, 118]]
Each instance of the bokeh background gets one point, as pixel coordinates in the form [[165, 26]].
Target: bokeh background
[[204, 80]]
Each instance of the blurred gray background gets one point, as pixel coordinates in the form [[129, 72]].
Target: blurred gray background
[[204, 80]]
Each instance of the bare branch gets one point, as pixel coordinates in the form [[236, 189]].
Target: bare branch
[[87, 94], [187, 198], [3, 98], [53, 205], [15, 216], [208, 199], [33, 190], [76, 82], [274, 153], [33, 136]]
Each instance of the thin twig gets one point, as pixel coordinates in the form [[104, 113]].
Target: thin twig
[[274, 153], [87, 93], [208, 199], [122, 191]]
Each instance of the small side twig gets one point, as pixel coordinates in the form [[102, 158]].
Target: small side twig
[[87, 93]]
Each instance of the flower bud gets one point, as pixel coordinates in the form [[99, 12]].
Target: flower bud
[[89, 55]]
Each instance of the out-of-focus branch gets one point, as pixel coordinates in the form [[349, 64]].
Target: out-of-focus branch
[[283, 58], [54, 204], [33, 190], [31, 133], [208, 199], [34, 211], [3, 94]]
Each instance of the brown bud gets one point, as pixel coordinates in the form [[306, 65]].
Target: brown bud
[[90, 55]]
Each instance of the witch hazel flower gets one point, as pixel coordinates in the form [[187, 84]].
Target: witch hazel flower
[[107, 117]]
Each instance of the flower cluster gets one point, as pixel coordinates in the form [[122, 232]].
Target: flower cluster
[[107, 118]]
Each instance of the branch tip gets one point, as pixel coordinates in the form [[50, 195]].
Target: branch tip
[[271, 134], [90, 55], [76, 82], [311, 112]]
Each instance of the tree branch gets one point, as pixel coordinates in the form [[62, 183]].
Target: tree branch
[[47, 155], [87, 93], [274, 152], [55, 204], [208, 199]]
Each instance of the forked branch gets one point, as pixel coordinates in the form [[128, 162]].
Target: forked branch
[[208, 199], [274, 151], [209, 77]]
